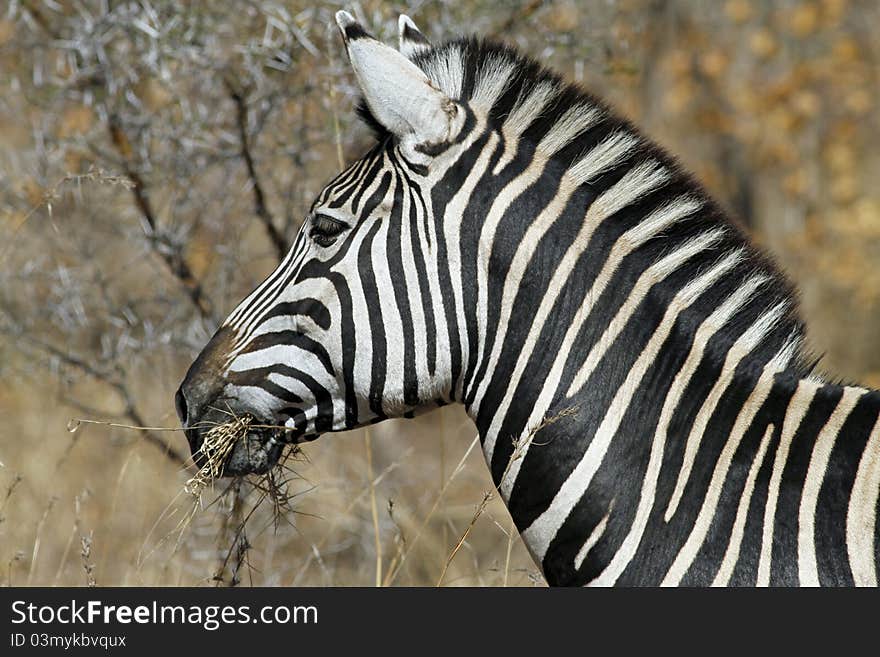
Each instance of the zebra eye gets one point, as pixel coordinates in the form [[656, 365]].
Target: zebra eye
[[326, 229]]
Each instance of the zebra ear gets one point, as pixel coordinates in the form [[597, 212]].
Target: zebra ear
[[400, 95], [411, 41]]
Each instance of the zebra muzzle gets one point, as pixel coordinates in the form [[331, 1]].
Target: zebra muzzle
[[235, 447]]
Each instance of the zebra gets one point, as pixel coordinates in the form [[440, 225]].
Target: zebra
[[635, 367]]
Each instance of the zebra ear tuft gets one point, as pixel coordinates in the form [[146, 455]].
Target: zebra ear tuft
[[411, 40], [399, 94], [349, 27]]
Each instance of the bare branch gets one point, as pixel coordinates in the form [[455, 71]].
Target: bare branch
[[172, 256], [260, 207], [129, 412]]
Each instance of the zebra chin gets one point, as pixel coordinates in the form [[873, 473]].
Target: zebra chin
[[257, 452]]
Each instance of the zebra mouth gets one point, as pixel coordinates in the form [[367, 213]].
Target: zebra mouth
[[256, 450], [256, 453]]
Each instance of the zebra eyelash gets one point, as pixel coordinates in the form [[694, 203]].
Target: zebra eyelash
[[326, 229]]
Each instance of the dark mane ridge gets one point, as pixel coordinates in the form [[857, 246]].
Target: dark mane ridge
[[529, 73]]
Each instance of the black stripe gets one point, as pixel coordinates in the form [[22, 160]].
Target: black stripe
[[784, 567], [831, 508], [291, 338], [397, 271]]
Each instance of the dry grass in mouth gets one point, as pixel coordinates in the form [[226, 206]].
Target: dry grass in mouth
[[215, 450]]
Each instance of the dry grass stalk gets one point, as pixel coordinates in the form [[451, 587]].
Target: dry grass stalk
[[52, 194], [392, 574], [373, 509], [216, 448], [523, 443], [39, 538], [16, 480], [482, 507], [86, 554]]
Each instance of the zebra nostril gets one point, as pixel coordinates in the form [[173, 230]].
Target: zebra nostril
[[180, 405]]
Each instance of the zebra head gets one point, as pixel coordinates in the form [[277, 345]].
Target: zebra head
[[342, 333]]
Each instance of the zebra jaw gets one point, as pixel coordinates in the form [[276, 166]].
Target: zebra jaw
[[256, 452]]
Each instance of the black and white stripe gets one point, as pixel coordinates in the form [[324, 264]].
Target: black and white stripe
[[634, 366]]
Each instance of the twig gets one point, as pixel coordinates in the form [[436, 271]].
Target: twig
[[510, 536], [260, 207], [86, 553], [50, 195], [337, 130], [40, 19], [171, 256], [239, 544], [316, 547], [73, 425], [16, 480], [130, 411]]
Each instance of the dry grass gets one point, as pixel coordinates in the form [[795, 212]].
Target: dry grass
[[119, 513], [215, 450]]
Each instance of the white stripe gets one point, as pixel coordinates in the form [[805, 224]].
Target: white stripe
[[602, 157], [446, 70], [654, 274], [516, 271], [861, 514], [492, 80], [412, 231], [391, 320], [659, 271], [722, 578], [794, 415], [363, 346], [529, 109], [710, 326], [750, 339], [454, 215], [808, 571], [542, 531], [592, 539], [636, 183], [574, 122], [660, 219], [688, 552], [263, 288], [502, 202], [525, 112]]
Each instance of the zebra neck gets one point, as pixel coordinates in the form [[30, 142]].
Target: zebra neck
[[740, 473], [604, 314]]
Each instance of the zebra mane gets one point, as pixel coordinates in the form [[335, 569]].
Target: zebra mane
[[527, 101], [512, 89]]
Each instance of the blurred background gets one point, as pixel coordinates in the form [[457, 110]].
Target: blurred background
[[156, 159]]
